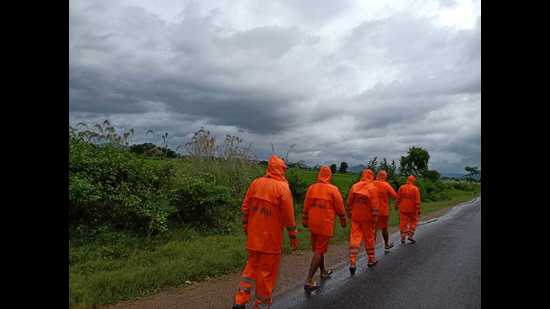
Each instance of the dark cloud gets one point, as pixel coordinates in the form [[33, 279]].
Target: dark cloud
[[276, 73]]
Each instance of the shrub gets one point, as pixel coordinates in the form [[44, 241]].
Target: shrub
[[110, 186], [297, 184], [199, 201], [464, 185], [421, 184], [432, 175]]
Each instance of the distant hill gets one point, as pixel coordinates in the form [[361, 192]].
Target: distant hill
[[360, 167], [356, 168], [453, 175], [457, 175]]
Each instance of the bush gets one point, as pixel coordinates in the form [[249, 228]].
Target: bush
[[430, 191], [200, 202], [464, 186], [234, 174], [421, 184], [109, 186], [297, 184], [432, 175]]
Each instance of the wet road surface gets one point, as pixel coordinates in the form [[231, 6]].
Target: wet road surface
[[442, 270]]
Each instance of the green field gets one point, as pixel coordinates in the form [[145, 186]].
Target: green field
[[342, 181], [115, 266]]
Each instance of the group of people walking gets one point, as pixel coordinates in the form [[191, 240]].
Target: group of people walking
[[268, 210]]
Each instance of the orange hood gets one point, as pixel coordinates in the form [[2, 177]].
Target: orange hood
[[382, 175], [325, 175], [276, 169], [411, 180], [368, 175]]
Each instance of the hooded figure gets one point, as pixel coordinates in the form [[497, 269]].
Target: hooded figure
[[323, 201], [385, 191], [363, 211], [408, 203], [276, 169], [267, 210]]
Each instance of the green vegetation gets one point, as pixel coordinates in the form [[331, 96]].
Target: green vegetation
[[114, 266], [112, 187], [343, 167], [473, 173], [140, 222]]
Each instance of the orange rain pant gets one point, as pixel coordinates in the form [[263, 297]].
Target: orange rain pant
[[382, 222], [407, 223], [261, 268], [359, 231], [319, 243]]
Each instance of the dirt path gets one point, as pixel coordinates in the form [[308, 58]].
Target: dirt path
[[219, 292]]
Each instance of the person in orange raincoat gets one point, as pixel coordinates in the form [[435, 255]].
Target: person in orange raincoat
[[408, 203], [385, 191], [267, 210], [323, 201], [363, 211]]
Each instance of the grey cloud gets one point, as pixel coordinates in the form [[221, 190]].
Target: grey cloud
[[308, 13], [272, 41], [273, 83], [198, 89], [318, 9]]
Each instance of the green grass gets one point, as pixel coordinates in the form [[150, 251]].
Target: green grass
[[98, 277], [115, 267], [342, 181]]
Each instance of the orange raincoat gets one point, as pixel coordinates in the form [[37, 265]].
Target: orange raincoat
[[385, 191], [408, 201], [267, 209], [363, 210], [323, 201]]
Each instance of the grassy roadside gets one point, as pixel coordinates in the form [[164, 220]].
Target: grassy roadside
[[119, 267]]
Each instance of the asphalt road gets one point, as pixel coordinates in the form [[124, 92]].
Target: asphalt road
[[442, 270]]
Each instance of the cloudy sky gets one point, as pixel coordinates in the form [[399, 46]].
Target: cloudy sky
[[343, 80]]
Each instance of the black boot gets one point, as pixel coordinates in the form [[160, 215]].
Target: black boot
[[352, 270], [239, 306]]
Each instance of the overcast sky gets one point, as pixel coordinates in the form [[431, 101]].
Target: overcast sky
[[343, 80]]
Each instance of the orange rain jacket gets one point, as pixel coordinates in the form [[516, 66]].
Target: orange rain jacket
[[323, 201], [408, 197], [363, 198], [267, 209], [385, 190]]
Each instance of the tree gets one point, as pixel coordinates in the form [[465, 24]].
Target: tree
[[142, 148], [343, 167], [333, 168], [415, 162], [432, 175], [392, 168], [389, 168], [153, 150], [373, 164], [472, 172]]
